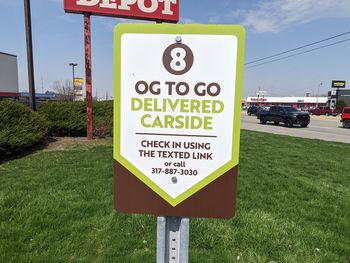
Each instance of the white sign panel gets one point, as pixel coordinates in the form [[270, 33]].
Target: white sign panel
[[177, 108]]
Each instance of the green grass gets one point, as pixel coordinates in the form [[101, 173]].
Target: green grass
[[293, 206]]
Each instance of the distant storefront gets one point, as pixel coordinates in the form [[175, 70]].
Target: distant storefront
[[296, 102], [39, 97]]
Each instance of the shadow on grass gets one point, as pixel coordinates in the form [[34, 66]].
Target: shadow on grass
[[28, 151]]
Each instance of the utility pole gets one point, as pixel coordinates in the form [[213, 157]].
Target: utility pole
[[73, 65], [29, 55]]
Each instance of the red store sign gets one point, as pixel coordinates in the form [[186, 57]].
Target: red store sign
[[159, 10], [258, 99]]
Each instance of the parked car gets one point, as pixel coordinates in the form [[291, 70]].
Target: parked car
[[287, 115], [253, 110], [324, 111], [345, 117], [263, 108]]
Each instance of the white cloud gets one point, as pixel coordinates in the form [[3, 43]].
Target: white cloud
[[214, 19], [276, 15], [186, 20]]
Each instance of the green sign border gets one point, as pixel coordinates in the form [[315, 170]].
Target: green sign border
[[232, 30]]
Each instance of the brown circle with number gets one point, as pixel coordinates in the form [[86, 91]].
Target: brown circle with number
[[178, 59]]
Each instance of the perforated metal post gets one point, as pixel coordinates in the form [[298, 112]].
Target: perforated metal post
[[173, 235]]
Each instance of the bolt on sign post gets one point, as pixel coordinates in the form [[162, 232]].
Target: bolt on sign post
[[156, 10], [177, 107]]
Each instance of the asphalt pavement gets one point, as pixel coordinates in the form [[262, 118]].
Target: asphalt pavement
[[320, 127]]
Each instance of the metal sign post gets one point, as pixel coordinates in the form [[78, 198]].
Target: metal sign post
[[173, 235]]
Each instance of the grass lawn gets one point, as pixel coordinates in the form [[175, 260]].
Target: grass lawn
[[293, 206]]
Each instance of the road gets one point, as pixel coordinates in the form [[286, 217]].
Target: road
[[320, 127]]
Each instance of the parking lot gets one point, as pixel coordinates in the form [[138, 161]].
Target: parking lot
[[320, 127]]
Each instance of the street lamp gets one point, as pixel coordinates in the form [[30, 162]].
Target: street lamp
[[318, 93], [73, 65]]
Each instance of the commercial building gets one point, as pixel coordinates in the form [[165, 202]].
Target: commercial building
[[8, 76], [335, 96], [296, 102]]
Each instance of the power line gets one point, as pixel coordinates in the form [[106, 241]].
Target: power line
[[300, 53], [297, 48]]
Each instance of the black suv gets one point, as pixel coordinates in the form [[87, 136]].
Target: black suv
[[288, 115], [253, 110]]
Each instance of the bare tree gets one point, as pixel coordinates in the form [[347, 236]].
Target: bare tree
[[64, 89]]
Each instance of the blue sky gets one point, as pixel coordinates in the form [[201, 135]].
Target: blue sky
[[271, 26]]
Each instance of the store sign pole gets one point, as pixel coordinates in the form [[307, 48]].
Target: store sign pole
[[87, 38]]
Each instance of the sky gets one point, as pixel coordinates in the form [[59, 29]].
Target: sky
[[272, 26]]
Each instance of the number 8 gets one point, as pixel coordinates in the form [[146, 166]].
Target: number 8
[[178, 56]]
